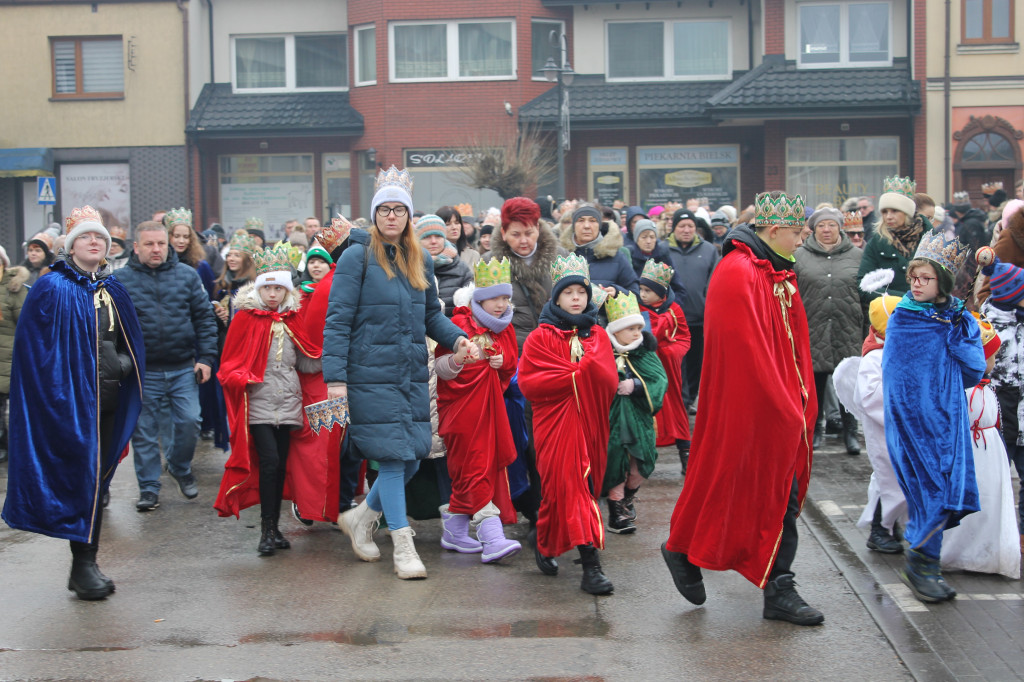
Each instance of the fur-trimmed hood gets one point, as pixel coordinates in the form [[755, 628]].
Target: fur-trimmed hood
[[535, 277], [1015, 226], [606, 248], [247, 299], [15, 278]]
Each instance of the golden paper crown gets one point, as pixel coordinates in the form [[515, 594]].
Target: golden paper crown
[[464, 209], [962, 197], [570, 266], [621, 305], [991, 187], [393, 176], [898, 185], [784, 211], [244, 242], [334, 235], [657, 272], [274, 260], [253, 224], [853, 221], [598, 295], [988, 332], [81, 215], [949, 254], [494, 271], [178, 216]]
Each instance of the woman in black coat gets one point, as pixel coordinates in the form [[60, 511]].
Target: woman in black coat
[[451, 272]]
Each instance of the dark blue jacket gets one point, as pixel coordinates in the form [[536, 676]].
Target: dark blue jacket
[[375, 340], [694, 263], [608, 261], [178, 325], [660, 254]]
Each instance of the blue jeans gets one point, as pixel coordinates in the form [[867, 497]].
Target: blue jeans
[[168, 398], [388, 491]]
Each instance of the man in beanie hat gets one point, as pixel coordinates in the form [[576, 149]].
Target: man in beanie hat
[[181, 348], [61, 464], [749, 468]]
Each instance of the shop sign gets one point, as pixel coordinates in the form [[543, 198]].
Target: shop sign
[[435, 158], [104, 186]]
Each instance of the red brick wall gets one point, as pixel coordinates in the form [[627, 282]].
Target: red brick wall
[[774, 27], [920, 131]]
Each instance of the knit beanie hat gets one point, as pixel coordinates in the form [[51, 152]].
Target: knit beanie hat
[[566, 270], [44, 241], [880, 310], [655, 212], [1006, 281], [586, 210], [1013, 207], [428, 225], [643, 225], [84, 220], [682, 214], [486, 229], [720, 219], [392, 185], [298, 238], [828, 213], [899, 195], [321, 253]]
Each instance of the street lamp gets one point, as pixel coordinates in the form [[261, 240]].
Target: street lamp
[[563, 75]]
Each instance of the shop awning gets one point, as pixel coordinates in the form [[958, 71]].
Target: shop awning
[[26, 163]]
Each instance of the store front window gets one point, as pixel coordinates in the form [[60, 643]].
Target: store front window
[[439, 181], [273, 187], [834, 169], [681, 173]]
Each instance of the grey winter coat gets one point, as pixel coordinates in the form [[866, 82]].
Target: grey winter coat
[[12, 295], [829, 288], [375, 342], [694, 263], [609, 260], [278, 399]]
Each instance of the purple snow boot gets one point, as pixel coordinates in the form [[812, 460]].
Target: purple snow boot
[[496, 545], [456, 533]]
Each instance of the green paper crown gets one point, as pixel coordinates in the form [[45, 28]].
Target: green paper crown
[[621, 305], [253, 224], [898, 185], [244, 242], [949, 254], [598, 295], [274, 260], [178, 216], [492, 272], [658, 272], [784, 211], [570, 266]]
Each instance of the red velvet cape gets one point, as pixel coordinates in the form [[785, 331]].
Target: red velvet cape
[[473, 421], [571, 403], [673, 335], [755, 423], [243, 362]]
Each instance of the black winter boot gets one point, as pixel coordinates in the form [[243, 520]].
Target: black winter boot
[[686, 576], [628, 499], [85, 580], [266, 546], [594, 581], [819, 436], [850, 434], [782, 602], [684, 454], [618, 518], [547, 565], [881, 540], [280, 542], [922, 576]]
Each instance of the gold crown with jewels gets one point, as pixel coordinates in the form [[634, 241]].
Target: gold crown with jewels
[[783, 210], [853, 220], [657, 272], [393, 176], [178, 216], [274, 260], [81, 215], [598, 295], [334, 235], [621, 305], [950, 254], [570, 266], [253, 224], [244, 242], [898, 185], [492, 272]]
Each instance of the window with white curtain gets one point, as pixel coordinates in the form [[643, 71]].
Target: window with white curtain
[[833, 169], [452, 50], [672, 50], [845, 34], [366, 55], [303, 62], [87, 67]]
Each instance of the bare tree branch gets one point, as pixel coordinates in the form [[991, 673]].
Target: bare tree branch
[[509, 161]]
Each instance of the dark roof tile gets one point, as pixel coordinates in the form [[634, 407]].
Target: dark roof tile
[[218, 110]]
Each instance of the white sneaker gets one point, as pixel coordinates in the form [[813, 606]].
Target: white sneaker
[[407, 562], [358, 524]]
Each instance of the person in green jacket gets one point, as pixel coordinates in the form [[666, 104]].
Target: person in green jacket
[[13, 289], [642, 385], [895, 240]]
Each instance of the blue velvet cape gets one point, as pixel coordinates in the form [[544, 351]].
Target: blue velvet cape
[[931, 355], [56, 474]]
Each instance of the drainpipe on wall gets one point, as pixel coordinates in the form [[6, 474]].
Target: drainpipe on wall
[[910, 62], [209, 13], [183, 8], [947, 111]]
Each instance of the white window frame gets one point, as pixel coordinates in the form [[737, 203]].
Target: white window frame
[[542, 20], [289, 62], [355, 54], [669, 57], [452, 40], [844, 35]]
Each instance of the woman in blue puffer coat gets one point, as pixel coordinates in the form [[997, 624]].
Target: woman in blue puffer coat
[[383, 304]]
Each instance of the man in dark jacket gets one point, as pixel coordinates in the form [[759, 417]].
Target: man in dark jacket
[[180, 336], [694, 260]]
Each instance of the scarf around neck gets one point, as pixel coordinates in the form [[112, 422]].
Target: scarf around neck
[[484, 318], [556, 317], [906, 238], [590, 244]]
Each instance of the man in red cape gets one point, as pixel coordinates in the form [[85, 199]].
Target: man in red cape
[[751, 457]]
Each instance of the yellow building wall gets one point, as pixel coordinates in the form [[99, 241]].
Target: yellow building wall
[[152, 112]]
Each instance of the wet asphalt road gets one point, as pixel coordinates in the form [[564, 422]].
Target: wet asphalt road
[[195, 602]]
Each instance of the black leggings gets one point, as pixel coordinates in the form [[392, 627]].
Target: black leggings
[[271, 444], [787, 544], [86, 549]]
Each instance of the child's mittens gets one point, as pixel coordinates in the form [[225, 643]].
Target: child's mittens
[[626, 387]]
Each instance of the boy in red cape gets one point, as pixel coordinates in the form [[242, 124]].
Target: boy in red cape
[[567, 372], [262, 372], [668, 324], [473, 420], [751, 457]]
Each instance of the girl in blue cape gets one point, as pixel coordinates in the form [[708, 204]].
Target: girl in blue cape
[[932, 354]]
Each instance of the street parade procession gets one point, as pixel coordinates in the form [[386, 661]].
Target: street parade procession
[[376, 375]]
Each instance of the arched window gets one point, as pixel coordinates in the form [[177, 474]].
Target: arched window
[[986, 149]]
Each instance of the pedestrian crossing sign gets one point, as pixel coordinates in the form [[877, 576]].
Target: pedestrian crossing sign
[[46, 190]]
